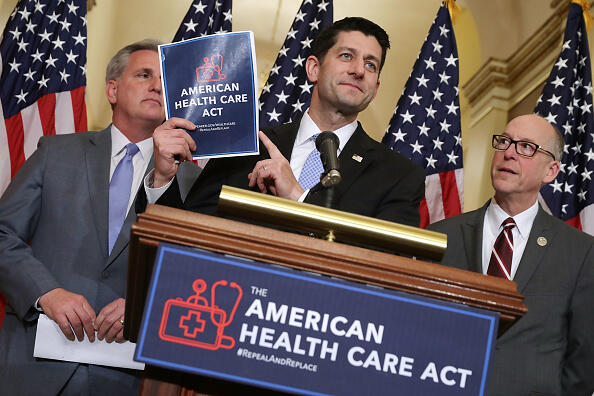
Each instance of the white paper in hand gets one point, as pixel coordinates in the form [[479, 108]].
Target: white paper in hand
[[51, 343]]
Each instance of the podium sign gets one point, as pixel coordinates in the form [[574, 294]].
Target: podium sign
[[298, 332]]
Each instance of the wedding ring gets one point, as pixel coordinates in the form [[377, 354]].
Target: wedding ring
[[122, 321]]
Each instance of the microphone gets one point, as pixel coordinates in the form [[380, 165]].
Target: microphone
[[327, 145]]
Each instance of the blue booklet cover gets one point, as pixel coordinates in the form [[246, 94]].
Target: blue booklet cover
[[212, 82]]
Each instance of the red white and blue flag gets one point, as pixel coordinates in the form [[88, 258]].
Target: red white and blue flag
[[425, 126], [43, 54], [287, 92], [205, 17], [566, 102]]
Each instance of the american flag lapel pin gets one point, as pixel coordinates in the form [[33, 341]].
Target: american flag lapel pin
[[357, 158]]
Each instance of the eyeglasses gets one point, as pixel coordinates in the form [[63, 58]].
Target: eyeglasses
[[523, 148]]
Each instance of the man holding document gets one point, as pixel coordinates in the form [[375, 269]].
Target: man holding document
[[344, 67], [64, 230]]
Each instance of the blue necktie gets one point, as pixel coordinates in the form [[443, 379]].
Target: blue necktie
[[119, 193], [312, 169]]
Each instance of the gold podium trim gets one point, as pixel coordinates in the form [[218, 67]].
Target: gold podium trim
[[343, 226]]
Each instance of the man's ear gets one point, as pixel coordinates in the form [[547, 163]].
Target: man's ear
[[111, 90], [312, 68], [552, 171]]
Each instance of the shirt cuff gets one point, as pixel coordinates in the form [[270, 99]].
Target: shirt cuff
[[302, 197], [152, 193]]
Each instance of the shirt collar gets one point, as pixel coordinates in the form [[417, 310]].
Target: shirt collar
[[308, 128], [119, 142], [496, 215]]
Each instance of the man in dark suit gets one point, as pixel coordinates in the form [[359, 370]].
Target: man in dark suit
[[344, 67], [56, 254], [549, 351]]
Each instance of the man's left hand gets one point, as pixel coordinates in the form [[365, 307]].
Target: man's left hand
[[108, 323], [275, 174]]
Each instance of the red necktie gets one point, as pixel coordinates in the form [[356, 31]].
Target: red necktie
[[503, 250]]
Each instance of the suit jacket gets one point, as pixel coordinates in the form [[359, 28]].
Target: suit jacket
[[58, 202], [384, 184], [549, 351]]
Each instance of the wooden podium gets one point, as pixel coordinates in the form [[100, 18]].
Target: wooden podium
[[163, 224]]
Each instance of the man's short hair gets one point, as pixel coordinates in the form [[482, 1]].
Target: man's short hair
[[118, 63], [327, 37]]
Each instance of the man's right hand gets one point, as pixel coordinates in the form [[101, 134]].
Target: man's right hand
[[170, 140], [70, 311]]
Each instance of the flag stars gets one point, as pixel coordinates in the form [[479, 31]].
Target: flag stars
[[191, 25], [561, 63], [452, 157], [322, 6], [554, 100], [557, 186], [300, 15], [39, 7], [430, 111], [558, 81], [72, 8], [228, 15], [305, 87], [572, 168], [79, 39], [416, 147], [451, 60], [437, 46], [16, 34], [429, 63], [582, 195], [567, 187], [64, 76], [283, 51], [586, 175], [24, 13], [589, 154], [37, 56], [29, 75], [21, 96], [577, 148], [315, 24], [437, 94], [30, 27], [306, 43], [437, 143], [399, 135], [431, 162], [566, 45], [452, 108], [282, 97], [586, 107], [14, 66], [274, 69], [51, 61], [22, 45], [298, 61], [443, 31], [443, 78], [551, 118], [415, 99], [423, 129], [45, 35], [564, 208], [53, 17], [273, 115], [291, 79], [42, 82], [292, 33], [407, 117], [422, 80], [199, 8], [71, 57], [445, 127], [297, 106]]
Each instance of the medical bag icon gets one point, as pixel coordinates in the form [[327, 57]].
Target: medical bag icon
[[197, 323], [211, 70]]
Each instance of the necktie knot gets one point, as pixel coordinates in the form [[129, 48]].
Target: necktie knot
[[508, 223], [131, 150]]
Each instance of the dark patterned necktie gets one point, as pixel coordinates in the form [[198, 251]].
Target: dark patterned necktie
[[503, 250]]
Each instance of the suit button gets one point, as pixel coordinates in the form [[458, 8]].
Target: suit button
[[105, 274]]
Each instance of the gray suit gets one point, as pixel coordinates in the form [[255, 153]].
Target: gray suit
[[550, 351], [58, 202]]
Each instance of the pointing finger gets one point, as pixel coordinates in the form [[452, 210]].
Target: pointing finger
[[272, 150]]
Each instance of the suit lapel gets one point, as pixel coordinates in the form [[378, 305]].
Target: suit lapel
[[472, 234], [97, 157], [533, 252], [359, 146], [284, 138], [124, 236]]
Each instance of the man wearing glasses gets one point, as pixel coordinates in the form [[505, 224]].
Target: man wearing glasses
[[551, 349]]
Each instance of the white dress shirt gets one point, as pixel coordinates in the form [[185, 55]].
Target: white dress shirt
[[494, 217], [140, 161]]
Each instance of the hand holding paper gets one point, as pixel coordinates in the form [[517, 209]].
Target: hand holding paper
[[170, 140], [275, 174], [108, 324], [71, 312]]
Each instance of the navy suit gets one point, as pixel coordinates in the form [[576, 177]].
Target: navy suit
[[383, 184], [58, 202]]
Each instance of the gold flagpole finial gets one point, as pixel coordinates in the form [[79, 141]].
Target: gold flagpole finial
[[453, 8], [586, 12]]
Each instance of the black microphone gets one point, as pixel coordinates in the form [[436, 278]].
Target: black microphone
[[327, 144]]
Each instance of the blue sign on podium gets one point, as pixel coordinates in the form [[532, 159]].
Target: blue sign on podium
[[298, 332]]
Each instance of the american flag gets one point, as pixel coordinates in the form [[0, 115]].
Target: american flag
[[566, 102], [205, 17], [287, 91], [425, 126], [43, 54]]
